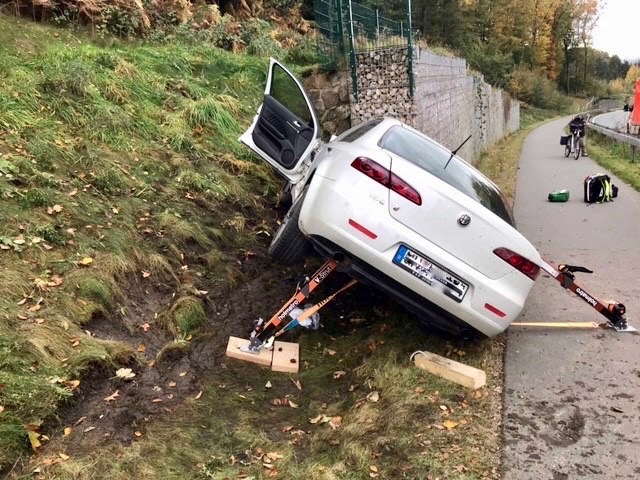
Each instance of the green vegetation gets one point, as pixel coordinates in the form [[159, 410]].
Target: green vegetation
[[119, 165], [131, 217], [618, 158], [359, 407]]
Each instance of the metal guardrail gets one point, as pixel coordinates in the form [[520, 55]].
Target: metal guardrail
[[620, 137]]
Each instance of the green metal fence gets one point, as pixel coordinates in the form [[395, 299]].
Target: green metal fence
[[346, 28]]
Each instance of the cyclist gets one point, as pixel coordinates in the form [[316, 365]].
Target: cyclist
[[578, 125]]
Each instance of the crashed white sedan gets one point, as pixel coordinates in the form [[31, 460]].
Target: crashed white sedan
[[399, 210]]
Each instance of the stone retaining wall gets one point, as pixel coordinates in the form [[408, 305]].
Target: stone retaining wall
[[453, 104], [329, 93], [449, 104], [382, 86]]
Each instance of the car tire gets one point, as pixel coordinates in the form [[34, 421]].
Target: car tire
[[289, 246]]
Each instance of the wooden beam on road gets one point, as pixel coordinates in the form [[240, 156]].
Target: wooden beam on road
[[557, 324]]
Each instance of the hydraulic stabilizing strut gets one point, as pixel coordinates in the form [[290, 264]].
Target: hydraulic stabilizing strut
[[611, 310], [291, 315]]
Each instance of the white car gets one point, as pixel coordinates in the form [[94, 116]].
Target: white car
[[398, 209]]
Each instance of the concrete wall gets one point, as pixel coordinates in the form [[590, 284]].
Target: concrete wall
[[452, 104]]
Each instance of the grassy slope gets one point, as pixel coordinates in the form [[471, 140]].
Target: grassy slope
[[615, 157], [137, 145], [117, 161]]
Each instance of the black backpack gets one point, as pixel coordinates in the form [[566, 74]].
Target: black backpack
[[598, 189]]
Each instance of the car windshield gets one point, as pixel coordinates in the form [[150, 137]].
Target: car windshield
[[433, 158]]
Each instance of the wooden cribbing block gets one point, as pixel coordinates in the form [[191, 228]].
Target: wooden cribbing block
[[286, 357], [233, 350], [459, 373]]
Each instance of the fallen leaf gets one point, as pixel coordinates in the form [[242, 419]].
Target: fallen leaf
[[79, 421], [64, 456], [145, 327], [321, 418], [156, 400], [335, 422], [67, 431], [172, 384], [34, 438], [88, 429], [65, 325], [113, 396], [125, 373], [146, 274], [1, 409], [73, 192], [182, 374], [419, 390], [373, 396], [339, 374], [328, 351], [22, 302], [297, 383], [268, 384], [86, 261], [274, 456], [73, 384], [137, 433], [287, 428], [198, 395], [443, 408], [373, 468], [450, 424], [141, 348], [293, 404]]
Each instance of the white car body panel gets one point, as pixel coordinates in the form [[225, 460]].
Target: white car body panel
[[367, 221]]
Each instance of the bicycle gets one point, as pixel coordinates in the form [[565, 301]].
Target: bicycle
[[573, 145]]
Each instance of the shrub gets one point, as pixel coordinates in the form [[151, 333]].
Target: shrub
[[536, 89], [256, 35], [494, 65]]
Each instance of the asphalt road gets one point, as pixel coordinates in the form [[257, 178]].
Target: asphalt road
[[616, 120], [571, 396]]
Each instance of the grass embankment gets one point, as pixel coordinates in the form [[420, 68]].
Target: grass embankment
[[120, 170], [126, 198], [616, 157]]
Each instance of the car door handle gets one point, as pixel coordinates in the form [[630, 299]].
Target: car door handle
[[296, 124]]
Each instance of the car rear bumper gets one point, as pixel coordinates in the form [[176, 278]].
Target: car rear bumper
[[325, 219]]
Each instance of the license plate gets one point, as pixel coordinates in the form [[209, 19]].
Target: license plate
[[431, 273]]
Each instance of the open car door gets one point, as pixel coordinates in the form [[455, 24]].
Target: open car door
[[285, 131]]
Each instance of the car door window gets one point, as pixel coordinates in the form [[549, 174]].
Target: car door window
[[285, 128], [285, 90]]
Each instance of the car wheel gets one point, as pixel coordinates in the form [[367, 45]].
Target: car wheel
[[289, 245]]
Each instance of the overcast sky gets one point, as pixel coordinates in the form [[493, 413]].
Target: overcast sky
[[615, 32]]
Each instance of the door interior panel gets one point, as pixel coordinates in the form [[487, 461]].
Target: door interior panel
[[280, 133]]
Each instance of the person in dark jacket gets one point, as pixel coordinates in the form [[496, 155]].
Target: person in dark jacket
[[578, 124]]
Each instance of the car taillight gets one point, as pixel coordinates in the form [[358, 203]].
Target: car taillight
[[518, 262], [384, 177]]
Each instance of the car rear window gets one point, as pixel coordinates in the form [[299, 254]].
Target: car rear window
[[433, 158], [359, 130]]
